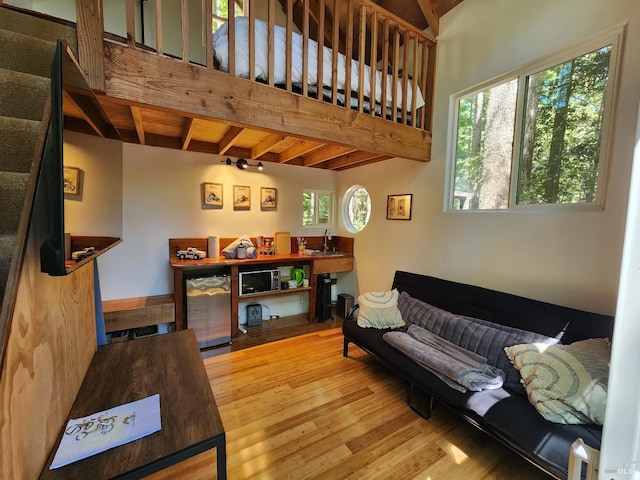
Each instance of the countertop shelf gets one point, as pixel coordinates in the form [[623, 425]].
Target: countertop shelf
[[101, 244], [260, 260], [288, 291]]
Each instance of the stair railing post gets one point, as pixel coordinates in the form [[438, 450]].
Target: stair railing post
[[90, 28]]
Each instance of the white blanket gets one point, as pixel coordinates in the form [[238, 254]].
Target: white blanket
[[221, 49]]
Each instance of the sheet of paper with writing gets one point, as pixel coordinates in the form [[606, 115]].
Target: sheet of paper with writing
[[87, 436]]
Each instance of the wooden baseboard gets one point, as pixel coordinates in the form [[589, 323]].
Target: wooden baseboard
[[128, 313]]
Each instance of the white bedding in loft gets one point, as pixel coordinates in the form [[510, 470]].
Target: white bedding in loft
[[221, 52]]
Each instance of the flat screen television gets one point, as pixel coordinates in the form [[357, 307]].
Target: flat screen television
[[69, 92]]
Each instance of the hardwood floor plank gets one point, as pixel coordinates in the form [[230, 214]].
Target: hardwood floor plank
[[297, 409]]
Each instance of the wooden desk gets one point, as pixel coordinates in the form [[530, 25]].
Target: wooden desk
[[169, 365]]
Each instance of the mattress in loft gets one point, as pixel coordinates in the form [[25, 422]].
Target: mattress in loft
[[221, 52]]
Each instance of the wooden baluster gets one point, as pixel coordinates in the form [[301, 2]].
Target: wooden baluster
[[428, 99], [423, 83], [208, 23], [335, 45], [231, 21], [385, 68], [362, 57], [394, 78], [159, 39], [405, 77], [184, 14], [131, 24], [289, 83], [414, 82], [373, 62], [320, 40], [270, 42], [252, 40], [305, 49], [348, 55]]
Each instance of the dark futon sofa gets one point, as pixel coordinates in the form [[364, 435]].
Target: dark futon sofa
[[503, 414]]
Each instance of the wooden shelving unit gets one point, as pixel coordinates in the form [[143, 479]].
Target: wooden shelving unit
[[101, 244]]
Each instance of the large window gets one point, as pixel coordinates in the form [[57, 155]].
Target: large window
[[538, 136], [317, 208]]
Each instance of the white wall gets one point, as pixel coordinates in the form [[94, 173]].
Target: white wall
[[98, 209], [162, 200], [620, 457], [570, 258]]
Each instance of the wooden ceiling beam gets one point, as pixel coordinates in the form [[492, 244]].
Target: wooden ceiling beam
[[267, 144], [299, 150], [229, 139], [90, 112], [136, 113], [326, 153], [351, 159], [430, 13], [187, 134], [366, 162]]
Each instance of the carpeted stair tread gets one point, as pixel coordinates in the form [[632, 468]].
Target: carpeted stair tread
[[19, 137], [23, 95], [37, 61], [6, 250], [13, 187], [37, 27]]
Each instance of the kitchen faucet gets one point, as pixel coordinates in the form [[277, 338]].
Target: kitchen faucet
[[327, 237]]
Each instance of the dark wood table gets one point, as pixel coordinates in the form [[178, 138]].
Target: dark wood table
[[169, 365]]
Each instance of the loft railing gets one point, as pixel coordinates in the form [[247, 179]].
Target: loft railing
[[355, 34]]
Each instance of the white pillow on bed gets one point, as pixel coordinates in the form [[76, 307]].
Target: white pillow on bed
[[379, 310]]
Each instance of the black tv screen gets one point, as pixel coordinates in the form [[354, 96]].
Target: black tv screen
[[69, 91]]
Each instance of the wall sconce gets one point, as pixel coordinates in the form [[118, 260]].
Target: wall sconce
[[243, 164]]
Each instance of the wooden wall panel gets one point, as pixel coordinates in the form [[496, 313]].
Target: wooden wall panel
[[50, 345]]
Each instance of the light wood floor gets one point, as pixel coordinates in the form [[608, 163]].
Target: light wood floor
[[297, 409]]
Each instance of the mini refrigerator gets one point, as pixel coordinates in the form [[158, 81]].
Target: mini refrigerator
[[208, 307]]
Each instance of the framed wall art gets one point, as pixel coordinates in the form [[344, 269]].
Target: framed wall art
[[241, 197], [268, 198], [399, 207], [212, 195], [72, 181]]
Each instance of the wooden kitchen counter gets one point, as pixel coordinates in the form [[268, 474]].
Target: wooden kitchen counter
[[317, 265]]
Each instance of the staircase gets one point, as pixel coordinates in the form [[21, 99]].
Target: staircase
[[27, 46]]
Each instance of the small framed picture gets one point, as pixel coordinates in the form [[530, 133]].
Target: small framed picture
[[268, 198], [399, 207], [212, 195], [241, 197], [72, 181]]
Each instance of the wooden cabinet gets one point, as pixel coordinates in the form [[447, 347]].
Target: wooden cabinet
[[331, 265], [317, 265]]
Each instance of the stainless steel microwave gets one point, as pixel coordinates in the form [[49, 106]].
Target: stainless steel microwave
[[259, 281]]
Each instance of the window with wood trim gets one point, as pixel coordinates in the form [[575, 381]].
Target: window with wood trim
[[317, 208], [538, 136]]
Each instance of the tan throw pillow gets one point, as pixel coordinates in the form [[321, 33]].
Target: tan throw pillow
[[565, 383], [379, 310]]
